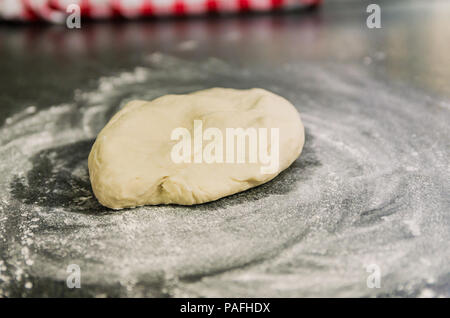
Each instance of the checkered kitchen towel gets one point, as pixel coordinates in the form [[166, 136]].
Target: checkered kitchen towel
[[55, 10]]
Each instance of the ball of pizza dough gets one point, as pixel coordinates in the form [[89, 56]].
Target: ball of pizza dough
[[193, 148]]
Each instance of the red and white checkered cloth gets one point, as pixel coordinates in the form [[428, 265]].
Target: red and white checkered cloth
[[56, 10]]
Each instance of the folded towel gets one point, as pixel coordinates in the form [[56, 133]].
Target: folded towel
[[56, 10]]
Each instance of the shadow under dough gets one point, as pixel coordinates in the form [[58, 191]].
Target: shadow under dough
[[59, 178]]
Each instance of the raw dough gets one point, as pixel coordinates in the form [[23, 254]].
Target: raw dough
[[130, 163]]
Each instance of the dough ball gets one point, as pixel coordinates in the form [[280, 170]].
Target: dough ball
[[194, 148]]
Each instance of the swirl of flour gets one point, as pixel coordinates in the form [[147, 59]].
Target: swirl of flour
[[369, 188]]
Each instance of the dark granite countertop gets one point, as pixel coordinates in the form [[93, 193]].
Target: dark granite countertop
[[369, 191]]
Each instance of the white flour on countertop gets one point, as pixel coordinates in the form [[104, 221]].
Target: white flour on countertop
[[371, 187]]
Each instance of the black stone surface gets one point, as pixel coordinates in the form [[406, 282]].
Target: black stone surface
[[371, 186]]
